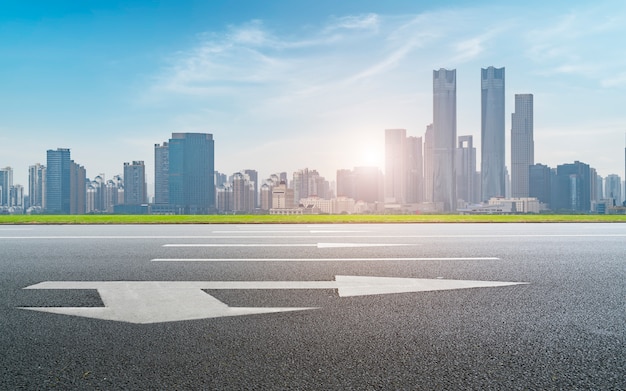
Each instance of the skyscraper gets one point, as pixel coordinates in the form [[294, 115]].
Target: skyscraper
[[161, 174], [135, 188], [36, 185], [58, 181], [6, 182], [395, 165], [78, 189], [429, 141], [191, 172], [492, 133], [466, 170], [444, 132], [522, 144], [613, 188]]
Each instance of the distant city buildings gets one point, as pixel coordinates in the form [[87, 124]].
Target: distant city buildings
[[434, 173]]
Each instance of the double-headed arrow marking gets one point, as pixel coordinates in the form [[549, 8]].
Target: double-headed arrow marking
[[167, 301]]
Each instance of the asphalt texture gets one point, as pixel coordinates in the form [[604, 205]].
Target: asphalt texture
[[565, 329]]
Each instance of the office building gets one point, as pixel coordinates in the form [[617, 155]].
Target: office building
[[540, 183], [573, 190], [492, 133], [444, 139], [191, 173], [135, 187], [58, 181], [522, 144]]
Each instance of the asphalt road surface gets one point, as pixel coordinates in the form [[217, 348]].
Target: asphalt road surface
[[361, 307]]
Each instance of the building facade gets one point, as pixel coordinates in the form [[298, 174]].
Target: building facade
[[522, 144], [191, 173], [444, 139], [492, 133], [58, 181], [135, 187], [466, 174]]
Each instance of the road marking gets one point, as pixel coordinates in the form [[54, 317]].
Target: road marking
[[147, 237], [322, 259], [256, 231], [168, 301], [318, 245]]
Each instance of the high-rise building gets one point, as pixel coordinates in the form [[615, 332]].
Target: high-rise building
[[6, 182], [191, 172], [253, 177], [444, 139], [540, 183], [466, 170], [37, 185], [161, 174], [613, 188], [78, 189], [58, 181], [573, 187], [243, 193], [307, 183], [414, 170], [492, 133], [429, 140], [135, 187], [522, 144], [395, 165]]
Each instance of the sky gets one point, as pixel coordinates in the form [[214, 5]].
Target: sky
[[284, 85]]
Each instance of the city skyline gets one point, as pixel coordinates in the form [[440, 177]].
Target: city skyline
[[282, 90]]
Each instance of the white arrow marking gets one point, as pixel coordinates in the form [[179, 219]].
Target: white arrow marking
[[167, 301], [320, 259], [318, 245]]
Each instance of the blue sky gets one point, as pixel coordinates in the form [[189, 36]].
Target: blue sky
[[284, 85]]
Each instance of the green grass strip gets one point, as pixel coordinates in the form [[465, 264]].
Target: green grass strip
[[304, 219]]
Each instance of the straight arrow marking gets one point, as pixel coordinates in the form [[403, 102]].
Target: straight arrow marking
[[168, 301]]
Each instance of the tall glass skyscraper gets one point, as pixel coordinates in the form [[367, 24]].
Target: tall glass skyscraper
[[58, 181], [192, 172], [444, 140], [492, 133], [522, 144]]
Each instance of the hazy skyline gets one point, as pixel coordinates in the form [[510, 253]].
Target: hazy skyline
[[286, 85]]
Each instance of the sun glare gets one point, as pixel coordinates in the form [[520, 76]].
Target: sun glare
[[372, 156]]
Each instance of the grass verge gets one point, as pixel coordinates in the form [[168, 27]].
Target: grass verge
[[304, 219]]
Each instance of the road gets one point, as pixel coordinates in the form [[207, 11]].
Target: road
[[398, 306]]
